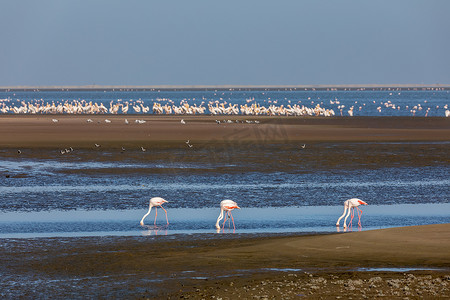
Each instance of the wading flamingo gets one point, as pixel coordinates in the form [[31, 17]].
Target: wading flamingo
[[350, 205], [228, 206], [156, 201]]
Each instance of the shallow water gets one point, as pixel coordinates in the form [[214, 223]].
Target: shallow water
[[193, 221], [279, 187]]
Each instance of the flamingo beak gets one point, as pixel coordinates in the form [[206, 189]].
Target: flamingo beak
[[238, 207]]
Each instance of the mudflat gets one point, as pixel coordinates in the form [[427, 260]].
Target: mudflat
[[239, 266]]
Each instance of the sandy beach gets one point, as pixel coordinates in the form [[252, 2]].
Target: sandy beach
[[76, 131]]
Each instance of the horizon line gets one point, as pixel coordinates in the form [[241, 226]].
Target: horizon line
[[219, 87]]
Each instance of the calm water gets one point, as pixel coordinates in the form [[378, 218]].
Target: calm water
[[366, 103], [279, 188]]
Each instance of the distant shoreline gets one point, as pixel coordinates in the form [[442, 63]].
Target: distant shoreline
[[349, 87]]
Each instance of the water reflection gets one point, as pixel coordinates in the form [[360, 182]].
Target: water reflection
[[155, 230]]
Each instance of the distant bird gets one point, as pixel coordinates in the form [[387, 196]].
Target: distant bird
[[155, 202], [89, 121], [54, 120], [350, 205], [63, 151], [227, 206], [303, 146], [107, 121], [97, 145], [123, 149], [182, 121], [126, 121], [143, 149], [19, 152]]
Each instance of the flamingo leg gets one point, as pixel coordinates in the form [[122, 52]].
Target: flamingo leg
[[231, 215], [166, 214], [225, 220], [351, 218], [359, 216], [156, 214]]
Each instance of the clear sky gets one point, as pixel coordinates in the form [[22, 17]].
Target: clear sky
[[236, 42]]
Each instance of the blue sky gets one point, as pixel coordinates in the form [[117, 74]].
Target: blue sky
[[231, 42]]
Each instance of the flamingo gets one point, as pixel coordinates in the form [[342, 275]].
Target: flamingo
[[351, 204], [155, 201], [228, 206]]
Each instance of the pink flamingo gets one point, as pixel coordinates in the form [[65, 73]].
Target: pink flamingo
[[351, 204], [156, 201], [228, 206]]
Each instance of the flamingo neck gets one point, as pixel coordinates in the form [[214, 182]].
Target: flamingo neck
[[219, 218]]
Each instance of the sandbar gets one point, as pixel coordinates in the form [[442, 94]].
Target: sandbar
[[76, 131]]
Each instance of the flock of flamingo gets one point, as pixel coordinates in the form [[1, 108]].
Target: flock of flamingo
[[227, 206], [8, 106], [138, 107]]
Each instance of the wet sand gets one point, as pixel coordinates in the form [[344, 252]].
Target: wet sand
[[75, 131], [229, 266]]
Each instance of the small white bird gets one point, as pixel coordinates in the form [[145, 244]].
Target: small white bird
[[97, 145], [89, 121], [54, 120], [126, 121], [107, 121], [18, 151], [143, 149], [182, 121], [303, 146]]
